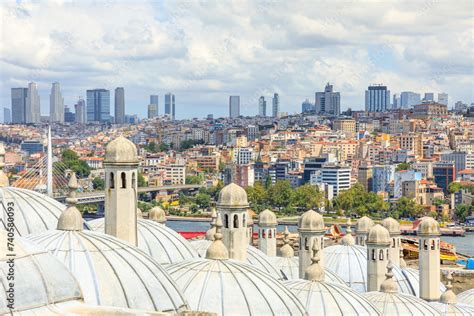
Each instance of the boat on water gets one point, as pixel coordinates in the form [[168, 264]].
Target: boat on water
[[447, 251]]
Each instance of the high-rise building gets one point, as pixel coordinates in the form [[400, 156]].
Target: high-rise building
[[69, 117], [19, 105], [409, 99], [429, 97], [444, 172], [307, 106], [262, 106], [396, 101], [443, 98], [7, 116], [98, 105], [170, 105], [377, 98], [80, 110], [328, 102], [234, 106], [382, 177], [154, 100], [152, 110], [33, 109], [275, 105], [119, 105], [56, 104]]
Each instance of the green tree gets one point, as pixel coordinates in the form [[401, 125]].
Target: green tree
[[406, 207], [257, 196], [164, 147], [280, 195], [198, 179], [268, 182], [71, 160], [462, 211], [98, 183], [454, 187], [307, 197], [203, 200], [403, 166], [141, 180]]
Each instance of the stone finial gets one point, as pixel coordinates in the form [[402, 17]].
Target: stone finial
[[403, 264], [448, 297], [389, 285], [4, 182], [311, 221], [157, 214], [211, 231], [348, 239], [72, 185], [286, 251], [378, 235], [217, 249], [315, 272]]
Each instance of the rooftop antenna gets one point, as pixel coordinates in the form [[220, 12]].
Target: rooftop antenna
[[49, 184]]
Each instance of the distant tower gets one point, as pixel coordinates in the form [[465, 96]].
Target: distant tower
[[121, 163], [232, 206], [429, 259], [275, 105], [378, 242], [393, 228], [56, 104], [311, 229], [119, 105], [364, 224], [267, 223]]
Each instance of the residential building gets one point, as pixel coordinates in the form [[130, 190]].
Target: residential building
[[262, 106], [244, 175], [382, 178], [328, 102], [170, 106], [93, 162], [56, 104], [336, 175], [98, 105], [119, 105], [275, 105], [401, 177], [80, 111], [18, 96], [33, 108], [314, 164], [234, 106], [412, 142], [345, 125], [364, 176], [462, 160], [424, 192], [377, 98], [429, 110], [243, 155]]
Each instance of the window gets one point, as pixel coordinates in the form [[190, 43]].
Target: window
[[432, 245], [236, 221], [226, 221], [112, 181], [124, 180], [270, 233], [243, 221], [381, 254], [306, 246], [373, 254], [134, 181]]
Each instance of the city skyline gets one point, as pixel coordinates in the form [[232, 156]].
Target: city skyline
[[203, 71]]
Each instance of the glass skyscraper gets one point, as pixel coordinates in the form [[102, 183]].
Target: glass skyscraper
[[170, 105], [275, 105], [262, 106], [98, 105], [19, 105], [377, 98], [119, 105], [234, 106]]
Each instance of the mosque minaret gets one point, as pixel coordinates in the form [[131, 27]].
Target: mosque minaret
[[429, 258], [378, 242], [121, 163], [364, 224], [267, 223], [393, 228], [311, 229]]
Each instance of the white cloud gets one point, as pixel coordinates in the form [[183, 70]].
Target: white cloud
[[204, 51]]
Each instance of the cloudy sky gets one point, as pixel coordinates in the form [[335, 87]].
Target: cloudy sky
[[205, 50]]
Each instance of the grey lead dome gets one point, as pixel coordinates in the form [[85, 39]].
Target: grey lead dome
[[121, 150]]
